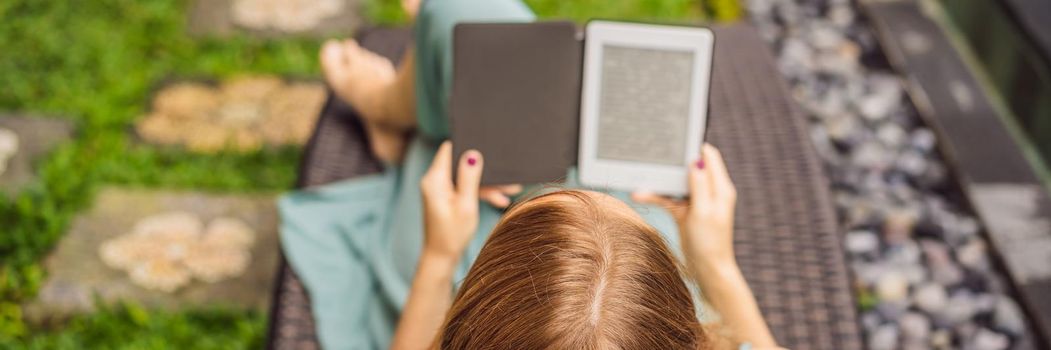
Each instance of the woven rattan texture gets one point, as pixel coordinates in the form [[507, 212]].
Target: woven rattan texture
[[786, 235]]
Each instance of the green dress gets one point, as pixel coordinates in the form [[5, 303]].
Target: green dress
[[355, 243]]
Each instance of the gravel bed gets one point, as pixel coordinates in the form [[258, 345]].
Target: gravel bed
[[922, 274]]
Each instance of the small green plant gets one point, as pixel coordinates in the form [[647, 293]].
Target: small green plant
[[385, 12], [866, 299], [724, 10]]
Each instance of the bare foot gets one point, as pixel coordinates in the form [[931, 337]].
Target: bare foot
[[411, 7], [364, 79], [358, 76], [388, 145]]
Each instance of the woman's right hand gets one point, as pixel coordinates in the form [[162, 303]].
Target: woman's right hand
[[706, 219], [706, 228]]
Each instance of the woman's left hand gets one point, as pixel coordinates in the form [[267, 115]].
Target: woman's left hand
[[450, 213]]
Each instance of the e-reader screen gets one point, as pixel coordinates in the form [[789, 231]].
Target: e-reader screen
[[644, 104]]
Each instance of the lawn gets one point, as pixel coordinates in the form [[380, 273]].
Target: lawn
[[96, 62]]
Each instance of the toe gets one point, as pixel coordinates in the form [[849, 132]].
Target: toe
[[351, 45], [411, 7], [360, 58], [331, 52], [333, 61]]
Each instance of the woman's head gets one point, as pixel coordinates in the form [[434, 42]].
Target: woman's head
[[573, 270]]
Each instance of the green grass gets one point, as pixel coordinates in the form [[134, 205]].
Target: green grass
[[582, 10], [389, 11], [132, 327], [96, 62]]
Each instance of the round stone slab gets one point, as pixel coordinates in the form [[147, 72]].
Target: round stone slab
[[218, 18], [77, 277], [36, 137], [243, 114]]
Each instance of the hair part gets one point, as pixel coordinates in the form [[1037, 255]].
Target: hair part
[[563, 271]]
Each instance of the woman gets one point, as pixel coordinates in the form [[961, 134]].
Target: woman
[[577, 270], [370, 264]]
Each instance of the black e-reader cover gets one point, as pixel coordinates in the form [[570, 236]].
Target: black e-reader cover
[[516, 98]]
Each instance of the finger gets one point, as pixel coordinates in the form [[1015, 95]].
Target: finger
[[653, 199], [676, 208], [697, 180], [719, 177], [469, 176], [439, 175], [510, 190], [494, 197], [504, 189]]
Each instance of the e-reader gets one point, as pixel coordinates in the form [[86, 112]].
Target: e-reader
[[644, 105]]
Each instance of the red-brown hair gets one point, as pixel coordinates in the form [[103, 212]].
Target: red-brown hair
[[568, 273]]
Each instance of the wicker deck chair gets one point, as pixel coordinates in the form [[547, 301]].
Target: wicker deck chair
[[787, 240]]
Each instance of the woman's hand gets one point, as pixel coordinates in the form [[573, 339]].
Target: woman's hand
[[450, 213], [706, 225], [450, 217], [706, 219]]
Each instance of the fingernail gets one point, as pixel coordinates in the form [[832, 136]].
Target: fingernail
[[471, 160], [700, 164]]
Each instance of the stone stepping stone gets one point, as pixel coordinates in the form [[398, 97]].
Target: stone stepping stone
[[275, 18], [77, 274], [35, 137], [243, 114]]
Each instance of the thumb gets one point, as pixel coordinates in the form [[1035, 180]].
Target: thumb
[[469, 175], [697, 181], [438, 180], [441, 166]]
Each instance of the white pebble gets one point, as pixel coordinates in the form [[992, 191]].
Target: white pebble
[[884, 338], [930, 298], [915, 326], [892, 286], [1008, 316], [891, 134], [972, 255], [941, 339], [960, 308], [985, 339], [861, 242]]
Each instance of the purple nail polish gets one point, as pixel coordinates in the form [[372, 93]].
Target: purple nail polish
[[471, 161], [700, 164]]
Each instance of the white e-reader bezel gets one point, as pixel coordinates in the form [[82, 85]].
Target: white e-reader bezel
[[634, 175]]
